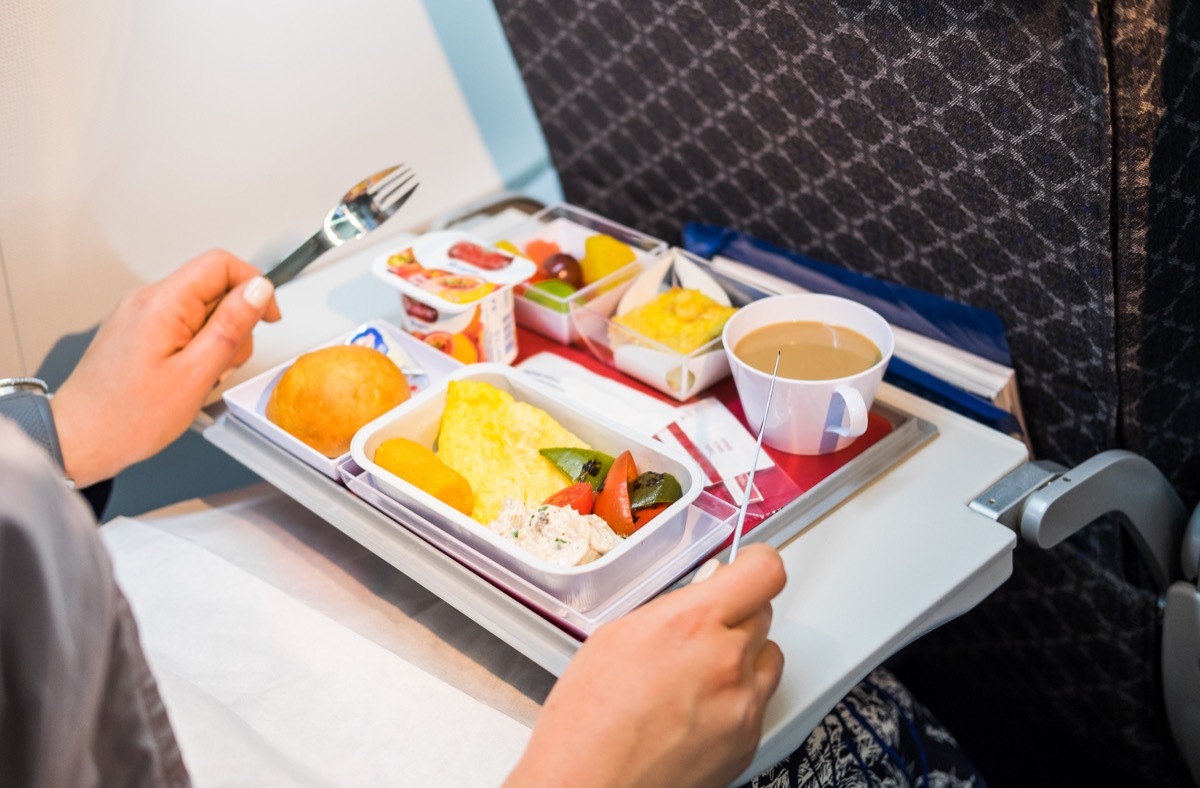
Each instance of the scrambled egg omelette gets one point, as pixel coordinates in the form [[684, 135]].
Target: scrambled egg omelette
[[493, 440]]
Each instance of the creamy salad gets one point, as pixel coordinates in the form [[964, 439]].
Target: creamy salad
[[557, 534]]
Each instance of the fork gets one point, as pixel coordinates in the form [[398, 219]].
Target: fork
[[366, 206]]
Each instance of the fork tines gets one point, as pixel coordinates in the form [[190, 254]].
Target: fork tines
[[384, 193]]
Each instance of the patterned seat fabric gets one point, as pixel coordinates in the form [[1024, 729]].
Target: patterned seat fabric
[[1036, 158]]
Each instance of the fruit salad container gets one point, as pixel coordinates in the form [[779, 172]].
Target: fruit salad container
[[666, 329], [580, 258], [669, 537], [422, 366], [457, 294]]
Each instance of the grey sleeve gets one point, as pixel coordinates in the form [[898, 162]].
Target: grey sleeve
[[78, 704]]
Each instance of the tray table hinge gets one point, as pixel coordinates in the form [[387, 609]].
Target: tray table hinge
[[1005, 500]]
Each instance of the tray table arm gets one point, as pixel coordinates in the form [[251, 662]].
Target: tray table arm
[[1046, 503]]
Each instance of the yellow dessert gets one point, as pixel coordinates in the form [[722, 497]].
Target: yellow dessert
[[681, 319]]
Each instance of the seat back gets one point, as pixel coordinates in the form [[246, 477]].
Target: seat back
[[1039, 159]]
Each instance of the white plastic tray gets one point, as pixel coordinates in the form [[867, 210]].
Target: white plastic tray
[[247, 401]]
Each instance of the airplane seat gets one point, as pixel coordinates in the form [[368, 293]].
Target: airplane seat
[[1036, 158]]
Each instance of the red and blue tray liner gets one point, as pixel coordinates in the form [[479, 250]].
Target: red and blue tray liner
[[792, 474]]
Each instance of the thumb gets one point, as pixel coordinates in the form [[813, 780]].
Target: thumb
[[216, 344]]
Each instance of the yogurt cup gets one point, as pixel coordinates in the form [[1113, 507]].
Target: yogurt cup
[[457, 294]]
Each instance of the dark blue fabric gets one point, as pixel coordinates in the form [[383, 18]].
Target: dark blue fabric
[[975, 330], [904, 375]]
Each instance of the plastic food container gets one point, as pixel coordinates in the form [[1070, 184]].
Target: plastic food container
[[580, 587], [457, 294], [247, 401], [676, 374], [569, 228], [709, 523]]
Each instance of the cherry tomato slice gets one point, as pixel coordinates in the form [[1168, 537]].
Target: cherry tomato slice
[[578, 496], [612, 503]]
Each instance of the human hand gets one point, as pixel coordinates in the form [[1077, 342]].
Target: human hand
[[153, 362], [671, 694]]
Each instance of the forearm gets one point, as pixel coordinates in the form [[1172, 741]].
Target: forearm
[[88, 458]]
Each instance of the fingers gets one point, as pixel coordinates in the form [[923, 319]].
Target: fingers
[[768, 669], [201, 283], [210, 275], [224, 340], [757, 625], [739, 590], [706, 570], [243, 353], [753, 633]]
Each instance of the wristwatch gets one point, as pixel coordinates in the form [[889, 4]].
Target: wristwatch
[[26, 401]]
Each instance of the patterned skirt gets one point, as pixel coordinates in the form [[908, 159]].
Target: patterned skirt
[[878, 735]]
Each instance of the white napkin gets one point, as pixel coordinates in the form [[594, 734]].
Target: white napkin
[[263, 690], [622, 404], [717, 440]]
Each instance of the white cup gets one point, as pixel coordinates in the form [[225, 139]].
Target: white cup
[[808, 416]]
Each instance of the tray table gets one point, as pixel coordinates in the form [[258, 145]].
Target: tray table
[[901, 556]]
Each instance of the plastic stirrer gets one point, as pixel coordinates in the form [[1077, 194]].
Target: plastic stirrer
[[741, 520]]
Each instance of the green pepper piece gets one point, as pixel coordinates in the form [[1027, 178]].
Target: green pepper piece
[[580, 465], [652, 489]]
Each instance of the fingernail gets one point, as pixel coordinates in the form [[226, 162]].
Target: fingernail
[[258, 292], [706, 570]]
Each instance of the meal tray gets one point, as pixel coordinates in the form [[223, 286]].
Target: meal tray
[[539, 632]]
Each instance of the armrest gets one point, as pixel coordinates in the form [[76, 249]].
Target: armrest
[[1046, 504], [1113, 481]]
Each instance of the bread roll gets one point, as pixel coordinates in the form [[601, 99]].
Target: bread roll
[[328, 394]]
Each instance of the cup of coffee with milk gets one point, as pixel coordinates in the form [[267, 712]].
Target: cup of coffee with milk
[[832, 353]]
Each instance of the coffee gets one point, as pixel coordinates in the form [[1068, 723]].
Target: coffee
[[808, 350]]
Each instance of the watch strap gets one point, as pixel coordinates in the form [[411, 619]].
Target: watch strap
[[24, 401]]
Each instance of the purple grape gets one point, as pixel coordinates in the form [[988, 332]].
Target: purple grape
[[563, 267]]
